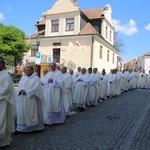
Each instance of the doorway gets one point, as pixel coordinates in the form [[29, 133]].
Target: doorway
[[56, 55]]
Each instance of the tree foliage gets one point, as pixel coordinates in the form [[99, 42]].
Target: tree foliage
[[12, 43]]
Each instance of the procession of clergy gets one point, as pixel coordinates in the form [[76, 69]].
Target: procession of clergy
[[47, 100]]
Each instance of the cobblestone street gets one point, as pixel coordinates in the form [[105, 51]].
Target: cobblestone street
[[120, 123]]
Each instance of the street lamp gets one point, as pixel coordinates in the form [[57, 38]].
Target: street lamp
[[38, 39]]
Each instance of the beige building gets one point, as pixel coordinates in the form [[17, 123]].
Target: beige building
[[74, 37]]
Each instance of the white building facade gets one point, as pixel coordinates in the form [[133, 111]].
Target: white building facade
[[74, 37], [144, 62]]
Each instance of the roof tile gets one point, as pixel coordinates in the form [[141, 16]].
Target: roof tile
[[93, 13], [88, 29]]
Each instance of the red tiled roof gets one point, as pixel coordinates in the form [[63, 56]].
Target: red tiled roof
[[93, 13], [34, 35], [132, 62], [88, 29]]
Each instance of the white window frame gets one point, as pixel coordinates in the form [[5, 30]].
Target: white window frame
[[55, 25], [70, 24]]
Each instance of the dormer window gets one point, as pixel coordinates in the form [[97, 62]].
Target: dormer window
[[54, 25], [70, 24]]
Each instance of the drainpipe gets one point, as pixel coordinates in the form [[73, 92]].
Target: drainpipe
[[91, 65]]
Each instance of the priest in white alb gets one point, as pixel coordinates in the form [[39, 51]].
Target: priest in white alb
[[92, 95], [43, 78], [31, 103], [67, 89], [81, 89], [111, 89], [7, 102], [54, 96], [103, 84], [143, 80]]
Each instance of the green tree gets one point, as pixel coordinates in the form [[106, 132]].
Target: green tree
[[12, 44]]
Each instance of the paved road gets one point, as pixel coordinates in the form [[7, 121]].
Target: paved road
[[120, 123]]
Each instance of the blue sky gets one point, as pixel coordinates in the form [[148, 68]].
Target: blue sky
[[131, 20]]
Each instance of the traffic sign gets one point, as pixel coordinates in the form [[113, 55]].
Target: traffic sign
[[38, 55], [50, 59]]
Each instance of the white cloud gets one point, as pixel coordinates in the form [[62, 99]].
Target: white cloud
[[127, 29], [1, 17], [148, 27]]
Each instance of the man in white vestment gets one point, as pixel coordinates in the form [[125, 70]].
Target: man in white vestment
[[103, 83], [31, 103], [92, 98], [81, 89], [134, 79], [127, 80], [45, 71], [54, 96], [43, 78], [111, 90], [137, 75], [7, 102], [67, 89], [144, 83], [78, 72], [97, 75], [73, 84], [123, 81], [118, 82], [71, 71], [142, 80]]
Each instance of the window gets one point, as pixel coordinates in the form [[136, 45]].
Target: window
[[114, 37], [100, 52], [54, 25], [106, 32], [110, 36], [108, 55], [33, 52], [56, 55], [113, 58], [70, 24], [56, 44]]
